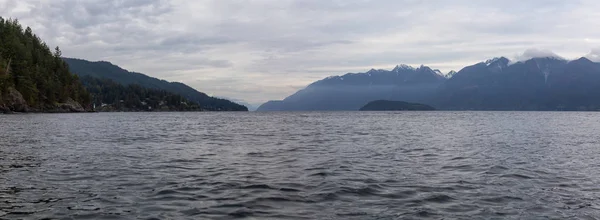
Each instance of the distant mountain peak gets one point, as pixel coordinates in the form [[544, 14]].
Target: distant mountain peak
[[375, 71], [424, 68], [536, 54], [500, 60], [403, 67], [450, 74], [583, 59], [427, 70], [497, 64], [490, 61]]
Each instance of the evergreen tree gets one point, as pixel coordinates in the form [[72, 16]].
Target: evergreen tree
[[28, 65]]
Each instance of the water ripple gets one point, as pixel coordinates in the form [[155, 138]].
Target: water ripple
[[340, 165]]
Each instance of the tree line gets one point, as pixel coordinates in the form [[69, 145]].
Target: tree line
[[39, 74], [108, 95]]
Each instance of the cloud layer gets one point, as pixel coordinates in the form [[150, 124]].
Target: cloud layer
[[535, 53], [258, 50]]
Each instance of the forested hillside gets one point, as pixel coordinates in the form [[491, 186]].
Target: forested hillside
[[107, 70], [108, 95], [32, 77]]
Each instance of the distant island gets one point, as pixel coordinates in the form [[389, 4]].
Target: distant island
[[385, 105]]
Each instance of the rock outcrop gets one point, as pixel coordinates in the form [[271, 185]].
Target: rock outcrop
[[70, 106], [12, 101]]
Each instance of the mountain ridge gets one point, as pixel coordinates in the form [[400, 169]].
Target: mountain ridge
[[351, 91], [539, 83], [108, 70]]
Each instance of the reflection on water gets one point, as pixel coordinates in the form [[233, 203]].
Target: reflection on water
[[339, 165]]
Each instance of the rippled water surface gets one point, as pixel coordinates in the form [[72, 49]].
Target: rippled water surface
[[339, 165]]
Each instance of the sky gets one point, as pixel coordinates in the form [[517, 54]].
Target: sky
[[260, 50]]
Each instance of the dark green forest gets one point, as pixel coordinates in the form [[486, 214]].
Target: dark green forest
[[40, 75], [108, 95]]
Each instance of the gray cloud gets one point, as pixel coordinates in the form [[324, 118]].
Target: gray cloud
[[267, 49], [594, 55], [535, 53]]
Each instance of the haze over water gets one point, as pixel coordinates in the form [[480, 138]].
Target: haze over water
[[334, 165]]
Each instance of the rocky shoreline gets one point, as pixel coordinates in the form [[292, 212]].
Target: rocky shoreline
[[11, 101]]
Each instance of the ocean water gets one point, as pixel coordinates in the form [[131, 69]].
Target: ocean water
[[301, 165]]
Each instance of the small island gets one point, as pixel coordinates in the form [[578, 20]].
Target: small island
[[385, 105]]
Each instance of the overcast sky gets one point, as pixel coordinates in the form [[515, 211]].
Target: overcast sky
[[258, 50]]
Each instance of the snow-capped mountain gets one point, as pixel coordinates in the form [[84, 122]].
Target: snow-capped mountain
[[353, 90], [401, 74], [541, 83], [450, 74], [538, 83]]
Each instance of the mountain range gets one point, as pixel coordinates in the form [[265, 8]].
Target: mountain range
[[544, 83]]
